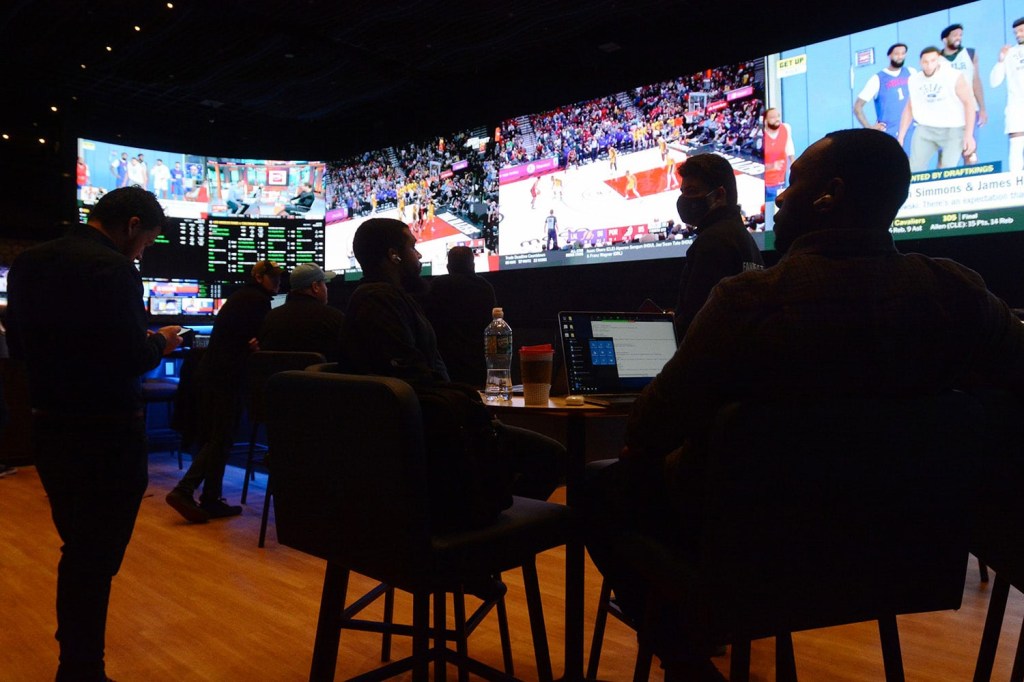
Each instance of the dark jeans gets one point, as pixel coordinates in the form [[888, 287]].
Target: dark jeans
[[537, 461], [94, 472], [641, 542], [220, 412]]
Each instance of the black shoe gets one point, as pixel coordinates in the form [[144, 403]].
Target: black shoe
[[219, 509], [183, 503]]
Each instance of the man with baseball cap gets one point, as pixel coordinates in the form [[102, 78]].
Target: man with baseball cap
[[220, 381], [305, 322]]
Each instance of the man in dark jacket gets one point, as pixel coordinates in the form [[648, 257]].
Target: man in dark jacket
[[221, 380], [459, 307], [305, 322], [723, 247], [84, 366]]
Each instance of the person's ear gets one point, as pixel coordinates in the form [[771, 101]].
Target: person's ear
[[834, 193]]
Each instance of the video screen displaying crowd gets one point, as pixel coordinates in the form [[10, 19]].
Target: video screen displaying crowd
[[415, 177], [582, 133]]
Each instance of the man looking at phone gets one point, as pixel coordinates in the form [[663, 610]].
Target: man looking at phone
[[89, 432]]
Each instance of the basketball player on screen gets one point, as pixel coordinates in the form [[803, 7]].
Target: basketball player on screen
[[942, 106], [631, 185], [1010, 68]]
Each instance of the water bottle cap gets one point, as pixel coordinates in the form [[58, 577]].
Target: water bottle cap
[[497, 312]]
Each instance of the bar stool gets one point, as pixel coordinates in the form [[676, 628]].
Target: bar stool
[[163, 390]]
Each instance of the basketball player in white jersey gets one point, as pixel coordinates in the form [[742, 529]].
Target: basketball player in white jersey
[[942, 105], [964, 60], [1010, 68]]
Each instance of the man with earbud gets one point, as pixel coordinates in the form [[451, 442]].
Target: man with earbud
[[387, 333], [843, 313]]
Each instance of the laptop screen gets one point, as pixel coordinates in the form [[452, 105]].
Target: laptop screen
[[614, 352]]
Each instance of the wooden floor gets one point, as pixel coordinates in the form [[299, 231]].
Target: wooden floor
[[204, 603]]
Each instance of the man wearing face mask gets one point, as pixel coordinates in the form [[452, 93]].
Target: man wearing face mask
[[723, 246]]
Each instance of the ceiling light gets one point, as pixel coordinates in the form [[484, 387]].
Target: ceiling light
[[42, 140], [82, 65], [6, 136], [138, 28], [53, 108], [109, 48], [170, 5]]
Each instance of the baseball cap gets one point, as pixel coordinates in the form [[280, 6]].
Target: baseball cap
[[949, 29], [304, 275], [266, 267]]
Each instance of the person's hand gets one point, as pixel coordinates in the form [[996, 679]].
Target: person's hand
[[879, 126], [970, 146], [254, 344], [1003, 51], [982, 117], [170, 334]]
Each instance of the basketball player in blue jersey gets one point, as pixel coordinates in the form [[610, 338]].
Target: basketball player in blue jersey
[[964, 60], [888, 90]]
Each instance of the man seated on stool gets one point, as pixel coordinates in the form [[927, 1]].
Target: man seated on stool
[[386, 333], [842, 313], [302, 202], [305, 322]]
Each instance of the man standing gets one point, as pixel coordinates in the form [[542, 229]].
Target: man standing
[[161, 179], [942, 106], [964, 60], [842, 314], [459, 307], [723, 247], [551, 230], [305, 322], [89, 431], [888, 90], [221, 383], [1010, 68], [778, 153], [177, 182]]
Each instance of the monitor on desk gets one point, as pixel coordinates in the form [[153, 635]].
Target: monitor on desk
[[614, 353]]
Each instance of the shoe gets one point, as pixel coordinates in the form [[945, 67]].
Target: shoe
[[7, 470], [219, 509], [183, 503]]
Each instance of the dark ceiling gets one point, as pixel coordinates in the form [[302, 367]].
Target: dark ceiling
[[319, 79]]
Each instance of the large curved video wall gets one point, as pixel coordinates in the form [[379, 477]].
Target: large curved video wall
[[595, 181]]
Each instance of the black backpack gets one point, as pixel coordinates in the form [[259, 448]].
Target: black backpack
[[470, 482]]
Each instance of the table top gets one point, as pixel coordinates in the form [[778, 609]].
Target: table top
[[554, 404]]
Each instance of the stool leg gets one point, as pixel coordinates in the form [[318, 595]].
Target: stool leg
[[993, 624], [328, 630], [599, 624], [461, 638], [506, 640], [739, 663], [389, 619], [440, 637], [785, 661], [249, 472], [266, 512], [1017, 674], [536, 611], [891, 656]]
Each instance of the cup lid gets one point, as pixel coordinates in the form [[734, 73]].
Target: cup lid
[[537, 350]]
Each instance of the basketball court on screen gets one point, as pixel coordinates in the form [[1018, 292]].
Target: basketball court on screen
[[593, 197]]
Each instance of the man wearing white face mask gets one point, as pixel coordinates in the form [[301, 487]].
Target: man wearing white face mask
[[723, 247]]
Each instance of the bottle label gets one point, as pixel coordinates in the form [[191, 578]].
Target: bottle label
[[498, 344]]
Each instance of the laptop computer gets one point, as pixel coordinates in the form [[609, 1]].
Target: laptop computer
[[610, 357]]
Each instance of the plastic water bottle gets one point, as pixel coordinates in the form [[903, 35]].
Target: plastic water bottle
[[498, 352]]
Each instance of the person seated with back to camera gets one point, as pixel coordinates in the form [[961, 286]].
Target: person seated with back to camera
[[459, 307], [386, 333], [842, 314], [305, 322]]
